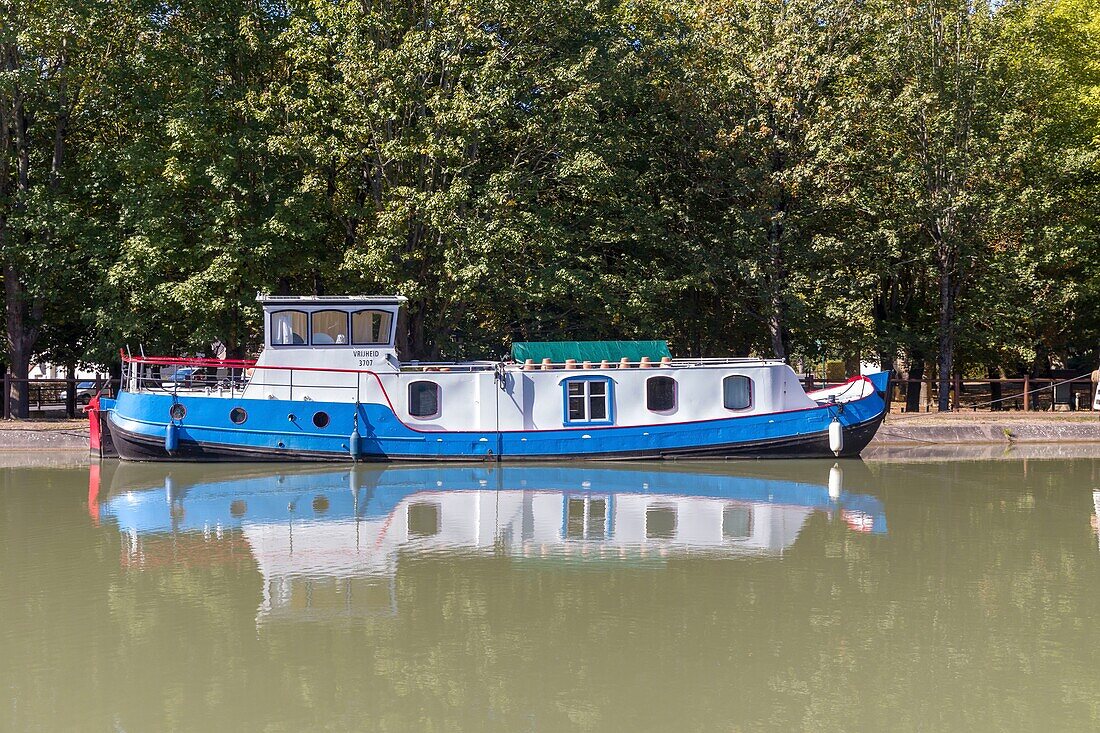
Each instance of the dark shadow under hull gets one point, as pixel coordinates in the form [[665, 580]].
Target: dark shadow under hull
[[134, 447]]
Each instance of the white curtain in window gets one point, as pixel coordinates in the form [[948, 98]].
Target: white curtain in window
[[737, 393], [284, 333]]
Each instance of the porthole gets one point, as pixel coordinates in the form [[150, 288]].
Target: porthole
[[238, 415], [320, 419], [177, 411]]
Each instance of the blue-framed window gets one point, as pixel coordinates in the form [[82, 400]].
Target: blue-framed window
[[589, 401]]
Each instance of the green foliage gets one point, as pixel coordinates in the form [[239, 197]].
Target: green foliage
[[813, 179]]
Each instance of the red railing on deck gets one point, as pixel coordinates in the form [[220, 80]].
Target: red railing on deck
[[195, 361]]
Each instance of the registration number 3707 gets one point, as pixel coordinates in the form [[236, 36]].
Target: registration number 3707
[[366, 357]]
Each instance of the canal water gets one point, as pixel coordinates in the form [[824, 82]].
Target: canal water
[[781, 596]]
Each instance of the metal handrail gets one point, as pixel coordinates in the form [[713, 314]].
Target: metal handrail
[[480, 365], [235, 375]]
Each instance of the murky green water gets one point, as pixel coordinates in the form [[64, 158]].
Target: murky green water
[[952, 596]]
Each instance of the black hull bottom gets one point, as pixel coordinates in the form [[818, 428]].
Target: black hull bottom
[[106, 444], [133, 447]]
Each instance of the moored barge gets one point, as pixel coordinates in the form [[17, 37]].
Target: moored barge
[[329, 385]]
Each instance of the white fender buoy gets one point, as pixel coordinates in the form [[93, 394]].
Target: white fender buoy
[[836, 437], [353, 445], [836, 481]]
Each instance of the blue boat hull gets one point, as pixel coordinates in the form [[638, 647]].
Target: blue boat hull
[[285, 431]]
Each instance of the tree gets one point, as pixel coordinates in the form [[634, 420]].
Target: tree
[[54, 59]]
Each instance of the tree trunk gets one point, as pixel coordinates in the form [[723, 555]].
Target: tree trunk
[[992, 373], [114, 380], [20, 395], [775, 327], [851, 364], [411, 339], [70, 390], [21, 335], [776, 280], [912, 389], [945, 363]]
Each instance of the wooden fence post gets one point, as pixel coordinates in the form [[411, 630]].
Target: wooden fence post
[[1027, 392], [958, 391], [7, 395]]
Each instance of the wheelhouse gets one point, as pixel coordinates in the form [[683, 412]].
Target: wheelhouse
[[324, 321]]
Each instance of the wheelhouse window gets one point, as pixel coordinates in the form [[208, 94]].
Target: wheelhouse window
[[424, 399], [330, 327], [371, 327], [289, 328], [660, 394], [737, 392], [588, 401]]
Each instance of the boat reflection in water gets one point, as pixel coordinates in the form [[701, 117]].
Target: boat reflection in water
[[328, 541]]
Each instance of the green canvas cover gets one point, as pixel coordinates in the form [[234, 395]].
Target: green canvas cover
[[559, 351]]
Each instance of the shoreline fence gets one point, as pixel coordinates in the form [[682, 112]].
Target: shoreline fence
[[56, 397]]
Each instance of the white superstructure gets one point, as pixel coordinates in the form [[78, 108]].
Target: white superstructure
[[309, 340]]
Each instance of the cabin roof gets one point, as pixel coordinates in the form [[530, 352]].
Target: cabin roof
[[560, 351], [266, 299]]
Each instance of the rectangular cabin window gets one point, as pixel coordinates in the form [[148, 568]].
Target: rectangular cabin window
[[577, 409], [289, 328], [330, 327], [660, 394], [371, 327], [588, 401], [737, 393], [424, 399]]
